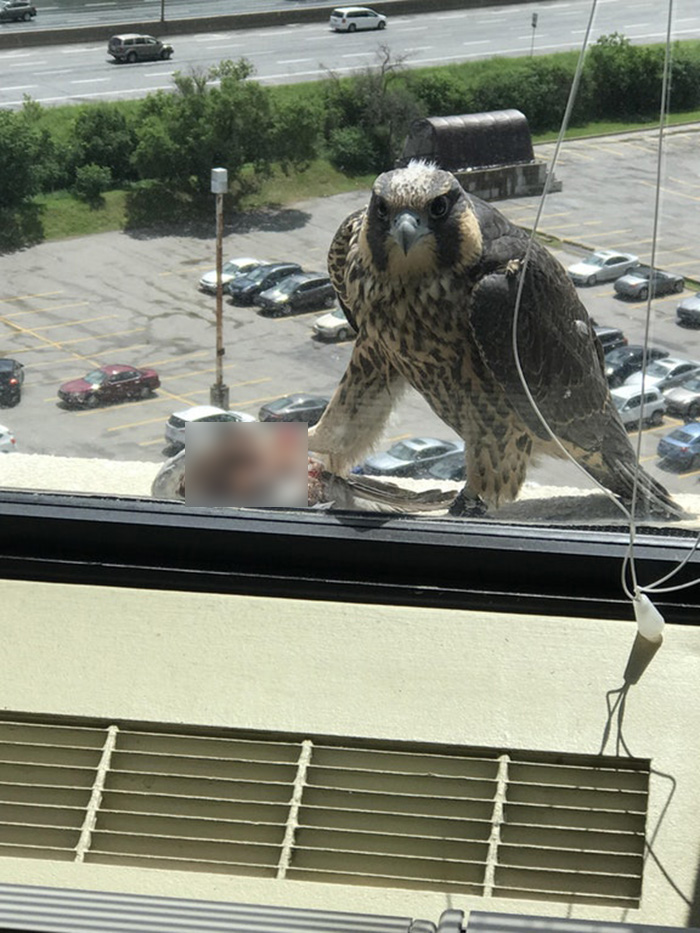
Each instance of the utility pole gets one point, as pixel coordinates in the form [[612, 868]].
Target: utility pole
[[534, 29], [218, 394], [162, 11]]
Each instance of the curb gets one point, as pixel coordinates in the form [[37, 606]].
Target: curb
[[101, 31]]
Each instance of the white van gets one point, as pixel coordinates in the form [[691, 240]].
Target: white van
[[354, 18]]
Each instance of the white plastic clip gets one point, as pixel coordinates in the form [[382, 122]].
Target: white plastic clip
[[650, 622]]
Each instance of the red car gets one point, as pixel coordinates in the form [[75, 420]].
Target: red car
[[114, 383]]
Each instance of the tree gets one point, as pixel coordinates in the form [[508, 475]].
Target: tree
[[104, 136], [20, 159], [91, 181]]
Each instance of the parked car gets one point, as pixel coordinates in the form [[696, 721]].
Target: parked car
[[11, 380], [176, 425], [610, 337], [665, 373], [299, 407], [681, 448], [601, 266], [333, 326], [683, 400], [629, 404], [412, 457], [354, 18], [230, 270], [641, 282], [132, 47], [450, 467], [688, 311], [112, 383], [245, 289], [15, 10], [623, 361], [7, 440], [302, 292]]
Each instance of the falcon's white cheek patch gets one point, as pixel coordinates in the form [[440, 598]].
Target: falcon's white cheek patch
[[420, 260]]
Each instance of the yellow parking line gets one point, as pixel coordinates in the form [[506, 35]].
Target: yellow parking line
[[682, 181], [70, 304], [159, 440], [644, 459], [47, 341], [692, 473], [116, 333], [134, 424], [199, 372], [613, 232], [678, 194], [134, 346], [398, 437], [86, 320], [35, 295], [255, 401], [176, 359], [238, 385]]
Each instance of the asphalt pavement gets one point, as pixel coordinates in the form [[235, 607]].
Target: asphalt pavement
[[73, 73], [68, 306]]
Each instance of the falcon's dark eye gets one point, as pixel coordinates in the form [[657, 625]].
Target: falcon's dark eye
[[382, 209], [439, 207]]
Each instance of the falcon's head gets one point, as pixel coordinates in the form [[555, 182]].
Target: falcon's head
[[420, 221]]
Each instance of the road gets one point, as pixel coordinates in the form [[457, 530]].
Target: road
[[75, 73], [68, 306]]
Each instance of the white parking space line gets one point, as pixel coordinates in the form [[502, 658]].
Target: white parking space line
[[82, 50], [293, 61], [27, 64], [478, 42], [20, 87], [90, 81], [59, 71], [358, 54]]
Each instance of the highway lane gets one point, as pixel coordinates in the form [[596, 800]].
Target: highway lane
[[74, 73]]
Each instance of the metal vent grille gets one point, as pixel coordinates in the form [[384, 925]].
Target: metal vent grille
[[477, 821]]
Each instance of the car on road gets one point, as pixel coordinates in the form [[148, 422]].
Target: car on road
[[355, 18], [642, 282], [630, 406], [298, 407], [681, 448], [132, 47], [688, 311], [665, 373], [306, 291], [411, 457], [450, 467], [245, 289], [11, 380], [176, 425], [230, 270], [13, 11], [112, 383], [605, 265], [610, 337], [7, 441], [683, 401], [623, 361], [333, 326]]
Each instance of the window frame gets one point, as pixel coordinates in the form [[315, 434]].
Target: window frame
[[338, 556]]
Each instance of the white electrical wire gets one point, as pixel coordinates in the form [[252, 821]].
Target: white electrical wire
[[629, 564]]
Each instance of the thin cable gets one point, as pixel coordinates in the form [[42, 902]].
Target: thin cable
[[528, 252]]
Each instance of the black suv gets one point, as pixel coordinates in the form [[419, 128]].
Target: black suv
[[302, 292], [610, 337], [245, 289], [13, 10], [11, 379], [132, 47]]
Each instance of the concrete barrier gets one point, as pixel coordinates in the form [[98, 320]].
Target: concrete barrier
[[30, 36]]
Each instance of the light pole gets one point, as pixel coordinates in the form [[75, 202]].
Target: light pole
[[218, 394], [162, 11], [534, 27]]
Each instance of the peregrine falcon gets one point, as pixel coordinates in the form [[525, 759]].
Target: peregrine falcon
[[429, 277]]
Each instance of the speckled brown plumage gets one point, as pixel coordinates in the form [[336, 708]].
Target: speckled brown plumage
[[429, 277]]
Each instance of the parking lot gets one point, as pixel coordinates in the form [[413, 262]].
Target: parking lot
[[67, 307]]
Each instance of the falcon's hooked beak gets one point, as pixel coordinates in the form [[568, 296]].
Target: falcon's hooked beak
[[407, 229]]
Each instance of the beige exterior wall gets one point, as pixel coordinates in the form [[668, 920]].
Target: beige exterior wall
[[474, 678]]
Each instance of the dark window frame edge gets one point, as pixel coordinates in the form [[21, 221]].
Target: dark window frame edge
[[338, 556]]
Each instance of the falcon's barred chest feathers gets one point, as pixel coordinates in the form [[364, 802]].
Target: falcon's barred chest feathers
[[429, 276]]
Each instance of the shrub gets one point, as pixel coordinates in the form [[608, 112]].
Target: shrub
[[103, 136], [351, 150], [91, 181]]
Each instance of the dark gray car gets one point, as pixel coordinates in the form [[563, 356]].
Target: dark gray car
[[683, 401], [688, 311], [412, 457], [16, 10], [132, 47]]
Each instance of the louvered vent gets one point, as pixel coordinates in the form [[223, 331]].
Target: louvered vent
[[476, 821]]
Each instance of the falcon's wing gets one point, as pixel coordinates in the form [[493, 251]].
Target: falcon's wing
[[345, 237], [557, 348]]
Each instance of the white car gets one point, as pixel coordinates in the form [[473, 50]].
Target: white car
[[354, 18], [230, 270], [7, 440], [628, 401], [177, 422], [333, 326], [603, 266], [665, 373]]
